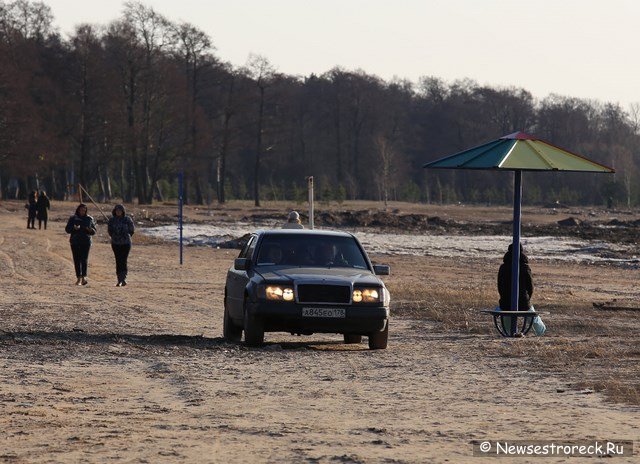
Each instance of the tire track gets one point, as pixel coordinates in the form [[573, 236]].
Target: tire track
[[66, 259], [6, 257]]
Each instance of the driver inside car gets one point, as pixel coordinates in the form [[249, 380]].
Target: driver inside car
[[273, 255]]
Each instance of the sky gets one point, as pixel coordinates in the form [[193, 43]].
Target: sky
[[588, 49]]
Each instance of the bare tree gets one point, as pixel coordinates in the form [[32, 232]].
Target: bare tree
[[387, 155], [84, 43], [228, 112], [155, 36], [262, 72], [31, 20], [194, 48], [138, 44], [122, 47], [634, 116]]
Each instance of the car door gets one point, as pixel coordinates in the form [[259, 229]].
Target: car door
[[237, 281]]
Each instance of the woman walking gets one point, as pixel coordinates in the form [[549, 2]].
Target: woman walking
[[121, 229], [81, 227], [42, 208]]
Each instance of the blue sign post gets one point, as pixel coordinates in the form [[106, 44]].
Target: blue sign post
[[180, 182], [515, 263]]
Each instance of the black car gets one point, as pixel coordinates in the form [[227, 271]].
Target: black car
[[304, 282]]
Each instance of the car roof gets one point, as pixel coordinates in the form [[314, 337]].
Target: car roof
[[329, 233]]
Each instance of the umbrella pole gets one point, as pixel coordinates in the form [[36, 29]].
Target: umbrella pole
[[515, 263]]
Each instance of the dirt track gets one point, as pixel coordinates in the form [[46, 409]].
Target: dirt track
[[141, 374]]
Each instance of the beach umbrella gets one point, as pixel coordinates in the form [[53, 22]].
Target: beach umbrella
[[518, 152]]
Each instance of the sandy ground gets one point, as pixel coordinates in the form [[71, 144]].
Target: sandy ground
[[141, 374]]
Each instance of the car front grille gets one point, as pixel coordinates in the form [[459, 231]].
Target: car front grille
[[309, 293]]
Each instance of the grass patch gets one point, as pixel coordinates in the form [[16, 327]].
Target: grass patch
[[606, 364], [451, 308], [614, 389], [593, 349]]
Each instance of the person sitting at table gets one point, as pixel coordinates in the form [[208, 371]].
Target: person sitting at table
[[525, 290], [504, 282]]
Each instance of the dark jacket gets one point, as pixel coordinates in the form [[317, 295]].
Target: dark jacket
[[81, 236], [32, 206], [120, 228], [525, 288], [42, 206]]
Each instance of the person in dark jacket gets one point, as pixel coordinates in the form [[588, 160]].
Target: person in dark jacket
[[32, 208], [42, 208], [121, 229], [525, 288], [81, 227]]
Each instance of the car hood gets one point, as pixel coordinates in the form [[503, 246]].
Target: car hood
[[314, 274]]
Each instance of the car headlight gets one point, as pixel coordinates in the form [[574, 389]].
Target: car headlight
[[287, 294], [367, 295], [278, 293]]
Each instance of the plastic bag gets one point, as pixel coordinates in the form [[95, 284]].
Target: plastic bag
[[539, 328]]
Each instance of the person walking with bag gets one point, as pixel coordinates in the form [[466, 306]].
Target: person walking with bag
[[80, 227], [121, 229]]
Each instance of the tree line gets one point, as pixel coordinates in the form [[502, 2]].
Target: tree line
[[122, 108]]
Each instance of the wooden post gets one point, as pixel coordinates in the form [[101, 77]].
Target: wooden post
[[311, 212]]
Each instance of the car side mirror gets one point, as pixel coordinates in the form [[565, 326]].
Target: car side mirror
[[381, 269], [242, 264]]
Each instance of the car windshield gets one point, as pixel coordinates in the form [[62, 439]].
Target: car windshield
[[310, 251]]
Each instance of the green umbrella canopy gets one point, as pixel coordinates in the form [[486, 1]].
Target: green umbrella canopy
[[518, 152]]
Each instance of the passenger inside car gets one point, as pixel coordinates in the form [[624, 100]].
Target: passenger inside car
[[272, 254]]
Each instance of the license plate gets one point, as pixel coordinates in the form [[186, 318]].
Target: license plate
[[323, 312]]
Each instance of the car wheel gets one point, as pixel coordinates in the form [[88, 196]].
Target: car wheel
[[378, 340], [352, 338], [253, 330], [230, 331]]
